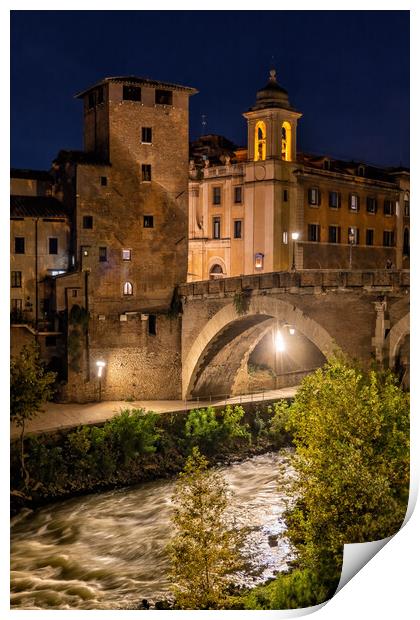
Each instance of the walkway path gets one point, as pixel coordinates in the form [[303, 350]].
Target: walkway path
[[59, 416]]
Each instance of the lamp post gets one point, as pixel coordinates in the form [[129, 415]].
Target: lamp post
[[295, 237], [352, 238], [100, 364]]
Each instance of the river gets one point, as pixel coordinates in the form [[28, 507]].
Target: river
[[107, 551]]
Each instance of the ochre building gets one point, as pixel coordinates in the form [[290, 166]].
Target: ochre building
[[269, 208]]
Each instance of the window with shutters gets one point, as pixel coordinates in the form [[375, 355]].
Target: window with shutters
[[353, 235], [314, 196], [389, 208], [334, 200], [371, 204], [334, 234], [388, 238], [146, 135], [217, 195], [313, 232], [16, 279], [370, 235], [354, 202]]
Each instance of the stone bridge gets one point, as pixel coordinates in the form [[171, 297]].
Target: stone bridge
[[362, 313]]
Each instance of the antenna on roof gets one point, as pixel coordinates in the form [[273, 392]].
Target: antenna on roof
[[204, 122]]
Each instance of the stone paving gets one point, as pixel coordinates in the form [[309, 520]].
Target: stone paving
[[59, 416]]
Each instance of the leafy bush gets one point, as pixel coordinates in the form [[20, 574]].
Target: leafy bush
[[133, 432], [207, 429], [230, 424], [278, 422]]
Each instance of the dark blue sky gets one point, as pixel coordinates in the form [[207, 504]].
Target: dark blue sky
[[347, 71]]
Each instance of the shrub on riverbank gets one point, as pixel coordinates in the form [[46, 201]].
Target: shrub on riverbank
[[132, 447]]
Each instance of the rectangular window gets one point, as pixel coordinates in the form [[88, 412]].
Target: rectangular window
[[237, 229], [334, 200], [217, 195], [53, 245], [371, 204], [285, 195], [152, 324], [100, 95], [313, 232], [146, 135], [126, 254], [314, 196], [87, 221], [19, 245], [370, 236], [334, 234], [16, 306], [388, 238], [104, 181], [388, 207], [216, 228], [103, 255], [91, 101], [147, 221], [146, 172], [237, 195], [163, 97], [353, 202], [353, 235], [285, 237], [74, 292], [132, 93], [16, 279]]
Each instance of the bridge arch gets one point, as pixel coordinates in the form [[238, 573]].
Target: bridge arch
[[226, 324], [395, 337]]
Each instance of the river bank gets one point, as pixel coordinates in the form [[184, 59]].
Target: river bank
[[126, 451]]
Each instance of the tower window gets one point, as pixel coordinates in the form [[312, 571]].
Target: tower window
[[334, 200], [104, 181], [237, 229], [388, 207], [216, 228], [217, 195], [87, 221], [91, 101], [146, 172], [163, 97], [132, 93], [286, 138], [260, 146], [19, 245], [103, 255], [148, 221], [313, 232], [354, 202], [16, 279], [152, 324], [334, 234], [100, 95], [237, 194], [126, 254], [128, 288], [371, 204], [53, 245], [388, 238], [146, 135], [370, 234]]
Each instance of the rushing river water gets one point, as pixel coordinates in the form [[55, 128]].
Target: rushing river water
[[107, 551]]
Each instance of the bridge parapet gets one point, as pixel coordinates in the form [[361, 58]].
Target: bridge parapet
[[290, 281]]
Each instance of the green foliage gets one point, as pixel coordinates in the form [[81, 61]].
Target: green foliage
[[134, 431], [30, 387], [241, 301], [206, 429], [278, 422], [294, 590], [204, 550], [351, 430]]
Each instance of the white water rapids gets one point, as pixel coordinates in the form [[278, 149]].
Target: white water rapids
[[107, 551]]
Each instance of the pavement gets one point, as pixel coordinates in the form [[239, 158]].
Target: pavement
[[58, 416]]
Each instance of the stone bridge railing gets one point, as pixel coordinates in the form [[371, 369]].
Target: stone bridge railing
[[311, 280]]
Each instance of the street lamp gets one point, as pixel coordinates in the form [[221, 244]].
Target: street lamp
[[352, 238], [100, 364], [292, 331], [295, 237]]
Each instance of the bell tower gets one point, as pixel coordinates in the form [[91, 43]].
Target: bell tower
[[271, 190], [272, 124]]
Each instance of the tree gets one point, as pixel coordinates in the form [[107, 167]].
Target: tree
[[204, 550], [30, 387], [351, 430]]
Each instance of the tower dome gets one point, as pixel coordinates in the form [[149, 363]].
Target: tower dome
[[272, 95]]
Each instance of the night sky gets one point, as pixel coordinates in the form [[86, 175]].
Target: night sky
[[346, 71]]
